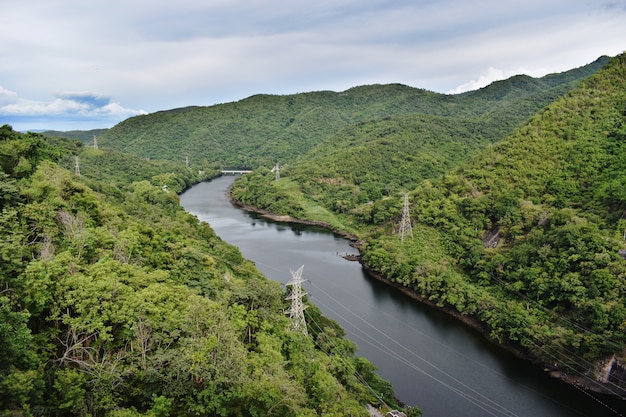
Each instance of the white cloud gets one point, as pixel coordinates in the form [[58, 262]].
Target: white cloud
[[85, 104], [66, 109], [494, 74], [7, 96], [162, 55]]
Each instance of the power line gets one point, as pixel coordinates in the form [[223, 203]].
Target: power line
[[296, 311], [564, 353], [480, 400], [298, 323], [346, 360], [474, 399]]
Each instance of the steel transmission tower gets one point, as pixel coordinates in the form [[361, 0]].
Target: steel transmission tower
[[296, 311], [405, 226], [276, 170], [76, 166], [95, 142]]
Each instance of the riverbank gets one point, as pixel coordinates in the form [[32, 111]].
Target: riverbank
[[288, 219], [585, 382]]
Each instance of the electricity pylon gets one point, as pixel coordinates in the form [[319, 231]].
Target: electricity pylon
[[296, 311], [95, 142], [76, 166], [276, 170], [405, 225]]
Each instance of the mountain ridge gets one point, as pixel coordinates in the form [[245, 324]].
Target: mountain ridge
[[279, 128], [525, 235]]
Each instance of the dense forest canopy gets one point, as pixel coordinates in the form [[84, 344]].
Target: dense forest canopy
[[114, 301], [265, 129], [523, 235], [85, 136]]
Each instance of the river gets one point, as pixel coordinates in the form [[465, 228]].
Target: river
[[433, 361]]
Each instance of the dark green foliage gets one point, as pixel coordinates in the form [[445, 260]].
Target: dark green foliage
[[256, 190], [264, 129], [20, 153], [360, 164], [529, 232], [107, 166], [525, 234], [84, 136], [115, 301]]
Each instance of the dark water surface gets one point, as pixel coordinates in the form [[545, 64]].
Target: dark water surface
[[432, 360]]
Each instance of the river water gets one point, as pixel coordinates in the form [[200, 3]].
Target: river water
[[433, 361]]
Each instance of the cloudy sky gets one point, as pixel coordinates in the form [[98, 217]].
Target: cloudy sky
[[80, 64]]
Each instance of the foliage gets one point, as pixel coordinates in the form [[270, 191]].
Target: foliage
[[523, 234], [358, 167], [263, 129], [84, 136], [532, 230], [115, 301]]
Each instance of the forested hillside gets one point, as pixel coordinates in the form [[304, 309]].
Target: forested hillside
[[108, 166], [265, 129], [525, 238], [124, 305], [352, 172], [85, 136], [114, 301]]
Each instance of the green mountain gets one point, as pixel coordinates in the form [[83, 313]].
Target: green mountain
[[85, 136], [265, 129], [114, 301], [356, 167], [516, 202], [112, 167], [525, 237]]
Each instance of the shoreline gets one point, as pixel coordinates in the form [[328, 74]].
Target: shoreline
[[288, 219], [517, 351], [587, 384]]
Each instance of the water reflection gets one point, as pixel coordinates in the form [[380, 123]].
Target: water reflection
[[433, 361]]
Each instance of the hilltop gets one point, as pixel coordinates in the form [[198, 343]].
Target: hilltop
[[266, 129], [85, 136], [515, 193], [523, 235]]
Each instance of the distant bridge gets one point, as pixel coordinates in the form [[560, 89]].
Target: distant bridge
[[235, 171]]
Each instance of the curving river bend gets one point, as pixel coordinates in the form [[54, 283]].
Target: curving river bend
[[432, 360]]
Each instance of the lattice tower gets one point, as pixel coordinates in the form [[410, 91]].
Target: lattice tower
[[276, 170], [296, 311], [405, 229]]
